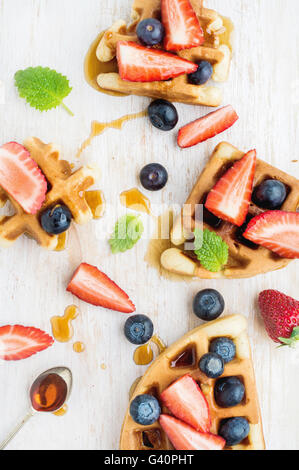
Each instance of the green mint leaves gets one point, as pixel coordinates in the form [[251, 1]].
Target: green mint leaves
[[43, 88], [210, 249], [127, 232]]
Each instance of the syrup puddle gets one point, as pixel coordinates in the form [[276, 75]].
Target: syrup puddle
[[144, 354], [62, 411], [79, 347], [62, 327], [135, 200], [97, 128]]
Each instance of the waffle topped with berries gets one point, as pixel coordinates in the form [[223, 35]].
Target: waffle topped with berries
[[182, 358], [55, 184], [246, 259], [212, 49]]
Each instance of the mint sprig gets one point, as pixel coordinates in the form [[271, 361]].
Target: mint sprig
[[43, 88], [127, 231], [210, 249]]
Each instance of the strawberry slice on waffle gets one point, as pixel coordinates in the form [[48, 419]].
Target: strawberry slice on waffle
[[21, 178], [276, 230], [182, 28], [184, 437], [19, 342], [141, 64], [230, 197]]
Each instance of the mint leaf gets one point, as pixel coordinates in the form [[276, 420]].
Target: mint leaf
[[43, 88], [292, 340], [210, 249], [127, 232]]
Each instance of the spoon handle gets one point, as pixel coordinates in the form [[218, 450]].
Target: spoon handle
[[16, 430]]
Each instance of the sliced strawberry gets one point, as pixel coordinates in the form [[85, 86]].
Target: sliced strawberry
[[21, 177], [230, 198], [94, 287], [276, 230], [19, 342], [207, 126], [184, 437], [182, 28], [186, 401], [141, 64]]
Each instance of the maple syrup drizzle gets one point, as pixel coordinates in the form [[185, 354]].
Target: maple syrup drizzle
[[144, 354], [226, 37], [96, 202], [135, 200], [48, 393], [61, 243], [62, 411], [79, 347], [62, 327], [97, 128], [133, 387], [93, 67]]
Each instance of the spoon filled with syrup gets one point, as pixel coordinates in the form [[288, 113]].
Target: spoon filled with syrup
[[48, 393]]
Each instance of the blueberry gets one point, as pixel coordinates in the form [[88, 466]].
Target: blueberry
[[202, 74], [208, 304], [234, 430], [153, 177], [240, 231], [212, 365], [224, 347], [138, 329], [145, 409], [56, 220], [270, 194], [150, 32], [163, 115], [229, 391]]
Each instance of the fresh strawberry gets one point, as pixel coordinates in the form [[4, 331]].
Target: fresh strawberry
[[182, 28], [230, 198], [141, 64], [276, 230], [186, 401], [207, 126], [94, 287], [19, 342], [184, 437], [21, 177], [281, 316]]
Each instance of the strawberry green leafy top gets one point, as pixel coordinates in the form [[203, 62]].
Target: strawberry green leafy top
[[128, 230], [210, 250], [43, 88]]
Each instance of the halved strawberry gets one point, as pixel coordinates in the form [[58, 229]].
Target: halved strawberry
[[276, 230], [19, 342], [141, 64], [230, 198], [184, 437], [182, 28], [21, 177], [207, 126], [94, 287], [186, 401]]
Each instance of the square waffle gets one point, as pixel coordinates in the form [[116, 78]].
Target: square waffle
[[65, 186], [215, 51], [163, 372], [245, 260]]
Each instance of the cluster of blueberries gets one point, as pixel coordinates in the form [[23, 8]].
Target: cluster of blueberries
[[208, 305]]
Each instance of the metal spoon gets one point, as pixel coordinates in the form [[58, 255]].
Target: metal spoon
[[66, 375]]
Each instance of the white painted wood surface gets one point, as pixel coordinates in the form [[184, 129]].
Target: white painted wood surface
[[264, 88]]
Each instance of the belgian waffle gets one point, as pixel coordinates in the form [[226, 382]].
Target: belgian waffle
[[245, 260], [163, 372], [177, 89], [64, 186]]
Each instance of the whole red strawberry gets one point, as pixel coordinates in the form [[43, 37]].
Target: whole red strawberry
[[281, 316]]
